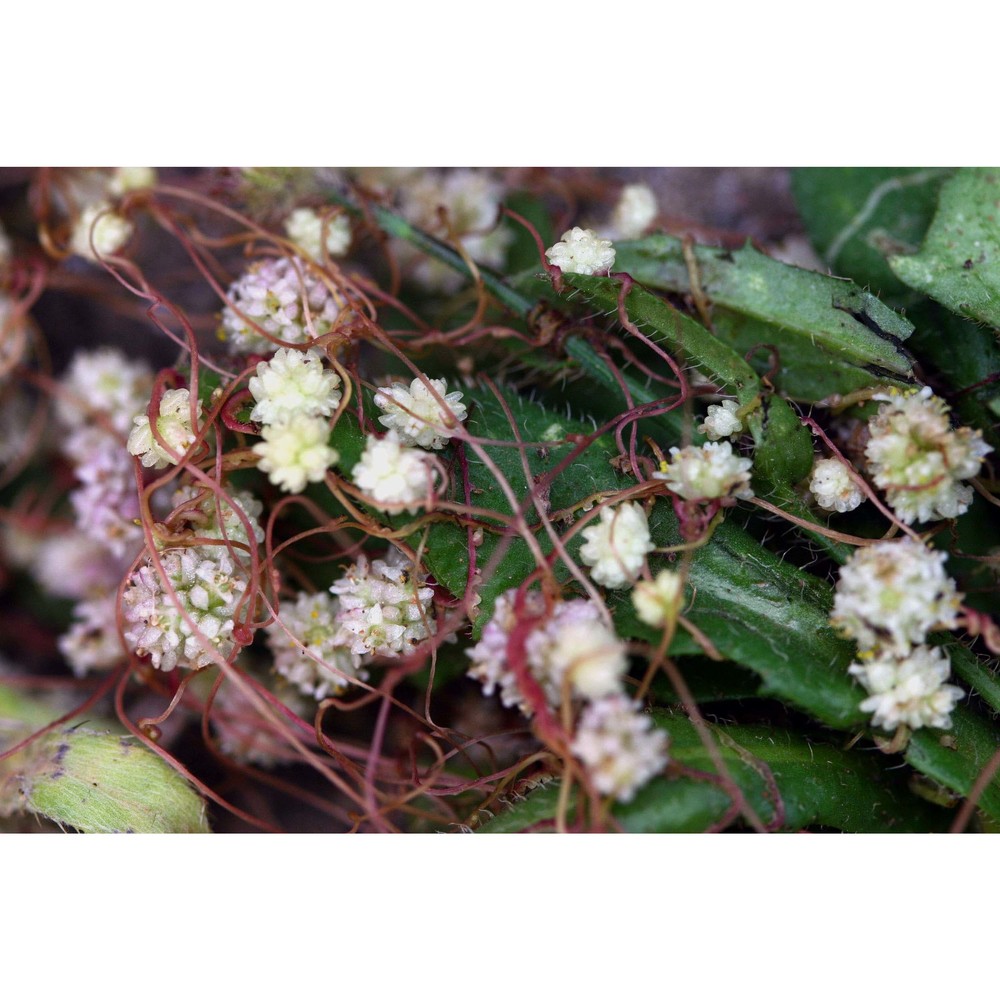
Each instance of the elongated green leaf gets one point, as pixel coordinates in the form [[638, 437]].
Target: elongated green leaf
[[835, 317], [956, 758], [773, 618], [959, 262], [857, 216], [817, 784], [687, 340], [792, 363]]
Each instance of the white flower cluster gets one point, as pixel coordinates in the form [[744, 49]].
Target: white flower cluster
[[293, 383], [98, 229], [293, 394], [392, 475], [890, 595], [634, 214], [384, 605], [306, 228], [916, 457], [470, 202], [707, 473], [312, 648], [574, 656], [909, 691], [295, 452], [615, 549], [173, 424], [888, 598], [620, 746], [572, 645], [582, 251], [658, 602], [832, 486], [206, 584], [393, 471], [722, 421], [418, 415], [282, 297]]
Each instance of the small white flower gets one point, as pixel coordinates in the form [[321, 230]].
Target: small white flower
[[293, 383], [721, 421], [173, 425], [106, 382], [417, 416], [890, 595], [620, 746], [616, 548], [581, 648], [908, 689], [658, 601], [582, 251], [296, 452], [126, 179], [635, 211], [310, 646], [108, 231], [390, 474], [274, 294], [385, 605], [707, 473], [92, 642], [916, 457], [833, 487], [305, 227]]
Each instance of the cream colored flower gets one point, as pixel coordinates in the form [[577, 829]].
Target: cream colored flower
[[582, 251]]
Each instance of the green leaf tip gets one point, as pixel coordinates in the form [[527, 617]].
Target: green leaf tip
[[103, 783]]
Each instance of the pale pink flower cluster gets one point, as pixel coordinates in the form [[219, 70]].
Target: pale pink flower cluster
[[283, 298], [919, 460], [574, 657], [384, 605], [311, 648]]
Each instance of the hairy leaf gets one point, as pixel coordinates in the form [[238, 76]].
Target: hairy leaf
[[857, 216], [834, 316], [959, 262], [816, 784]]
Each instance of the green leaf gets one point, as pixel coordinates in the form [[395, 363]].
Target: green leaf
[[687, 340], [967, 357], [959, 262], [773, 618], [589, 473], [784, 453], [857, 216], [795, 367], [102, 783], [956, 758], [818, 785], [834, 316]]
